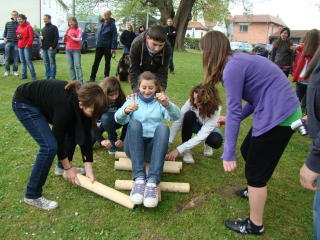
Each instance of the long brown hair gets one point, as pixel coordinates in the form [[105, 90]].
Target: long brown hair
[[215, 48], [311, 43], [208, 97], [112, 85], [89, 94], [75, 20]]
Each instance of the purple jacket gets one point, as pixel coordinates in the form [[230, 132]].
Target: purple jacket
[[266, 90]]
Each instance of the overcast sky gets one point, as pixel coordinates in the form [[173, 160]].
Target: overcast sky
[[296, 14]]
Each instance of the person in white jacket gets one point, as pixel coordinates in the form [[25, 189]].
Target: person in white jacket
[[198, 115]]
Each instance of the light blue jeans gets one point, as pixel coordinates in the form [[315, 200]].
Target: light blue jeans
[[316, 213], [49, 60], [142, 150], [74, 61], [26, 60], [11, 52]]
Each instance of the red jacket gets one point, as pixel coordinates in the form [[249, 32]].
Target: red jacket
[[298, 65], [25, 35]]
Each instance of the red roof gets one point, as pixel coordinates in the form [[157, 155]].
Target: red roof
[[197, 25], [258, 19]]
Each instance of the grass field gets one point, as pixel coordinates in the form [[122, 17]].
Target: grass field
[[199, 214]]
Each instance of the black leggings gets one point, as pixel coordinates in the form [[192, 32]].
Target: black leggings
[[191, 125]]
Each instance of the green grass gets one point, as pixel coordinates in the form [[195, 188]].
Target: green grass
[[84, 215]]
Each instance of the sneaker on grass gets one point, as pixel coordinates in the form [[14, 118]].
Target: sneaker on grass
[[187, 157], [41, 202], [137, 191], [59, 171], [207, 151], [15, 73], [243, 193], [151, 195], [244, 227]]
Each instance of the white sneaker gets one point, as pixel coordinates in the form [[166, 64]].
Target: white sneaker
[[15, 73], [59, 171], [41, 202], [151, 198], [187, 157], [137, 191], [6, 74], [207, 151]]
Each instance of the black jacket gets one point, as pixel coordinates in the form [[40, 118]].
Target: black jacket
[[50, 36], [127, 37], [171, 35], [61, 109], [141, 61]]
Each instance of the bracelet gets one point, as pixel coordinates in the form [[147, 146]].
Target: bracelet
[[66, 169]]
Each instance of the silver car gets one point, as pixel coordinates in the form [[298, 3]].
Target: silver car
[[241, 46]]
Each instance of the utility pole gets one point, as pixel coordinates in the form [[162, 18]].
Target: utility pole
[[147, 20], [73, 8]]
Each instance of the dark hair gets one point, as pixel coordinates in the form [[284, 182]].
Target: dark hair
[[278, 42], [208, 97], [22, 16], [89, 94], [73, 19], [111, 85], [141, 26], [147, 75], [48, 16], [157, 33], [311, 42], [216, 49]]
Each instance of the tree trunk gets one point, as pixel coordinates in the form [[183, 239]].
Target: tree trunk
[[181, 20], [166, 9]]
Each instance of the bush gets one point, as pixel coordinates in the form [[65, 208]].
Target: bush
[[192, 43]]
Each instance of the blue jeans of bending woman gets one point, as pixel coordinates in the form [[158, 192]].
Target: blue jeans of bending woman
[[37, 126], [142, 150], [316, 213], [74, 62]]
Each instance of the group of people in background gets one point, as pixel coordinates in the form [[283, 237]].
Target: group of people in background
[[263, 85]]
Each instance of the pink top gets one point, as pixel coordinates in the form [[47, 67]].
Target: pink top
[[72, 38]]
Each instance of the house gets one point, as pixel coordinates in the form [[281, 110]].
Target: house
[[196, 30], [295, 35], [255, 28], [34, 10]]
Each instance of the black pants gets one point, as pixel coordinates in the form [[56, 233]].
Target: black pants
[[301, 90], [191, 125], [101, 51], [262, 154]]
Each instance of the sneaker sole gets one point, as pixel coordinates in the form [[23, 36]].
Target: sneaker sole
[[148, 205], [34, 205]]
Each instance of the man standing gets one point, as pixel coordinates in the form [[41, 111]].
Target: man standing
[[150, 51], [49, 37], [11, 47], [171, 34], [106, 44]]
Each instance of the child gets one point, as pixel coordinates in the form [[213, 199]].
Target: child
[[67, 107], [147, 136], [198, 115], [115, 99]]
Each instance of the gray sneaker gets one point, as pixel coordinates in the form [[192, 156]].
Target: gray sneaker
[[41, 202], [59, 171], [136, 194], [151, 198]]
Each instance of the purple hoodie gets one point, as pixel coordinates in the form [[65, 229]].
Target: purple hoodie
[[266, 90]]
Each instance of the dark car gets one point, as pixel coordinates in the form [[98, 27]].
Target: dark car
[[36, 47], [262, 49], [89, 39]]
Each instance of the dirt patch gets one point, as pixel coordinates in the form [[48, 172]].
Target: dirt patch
[[194, 202], [227, 192]]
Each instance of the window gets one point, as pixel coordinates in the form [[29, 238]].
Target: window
[[243, 27]]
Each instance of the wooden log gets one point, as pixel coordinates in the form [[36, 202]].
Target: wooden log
[[169, 163], [105, 191], [163, 186], [120, 155]]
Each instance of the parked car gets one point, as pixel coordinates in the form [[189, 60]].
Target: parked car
[[262, 49], [36, 47], [89, 39], [241, 46]]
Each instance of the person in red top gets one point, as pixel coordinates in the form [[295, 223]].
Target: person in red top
[[25, 39], [72, 37], [304, 55]]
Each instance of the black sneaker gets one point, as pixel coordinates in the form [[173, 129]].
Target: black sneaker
[[243, 227], [243, 193]]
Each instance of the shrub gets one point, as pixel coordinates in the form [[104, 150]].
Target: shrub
[[192, 43]]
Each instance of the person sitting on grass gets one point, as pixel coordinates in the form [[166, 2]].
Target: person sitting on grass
[[115, 99], [198, 115], [67, 107], [147, 136]]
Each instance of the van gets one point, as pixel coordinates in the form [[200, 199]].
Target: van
[[89, 38]]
